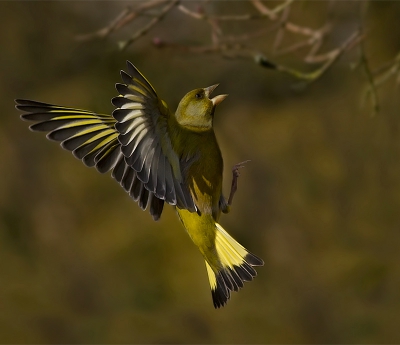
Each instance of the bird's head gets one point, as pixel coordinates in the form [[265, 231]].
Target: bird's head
[[196, 109]]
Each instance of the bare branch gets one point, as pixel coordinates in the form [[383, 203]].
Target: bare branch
[[143, 31], [371, 91], [329, 57], [263, 13], [203, 16], [195, 15], [273, 21], [272, 14], [388, 70], [315, 39], [281, 30], [263, 9], [114, 25], [124, 18]]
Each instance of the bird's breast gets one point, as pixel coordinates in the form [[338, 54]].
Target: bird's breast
[[205, 183]]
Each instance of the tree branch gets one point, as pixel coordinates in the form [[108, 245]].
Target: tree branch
[[143, 31], [123, 19]]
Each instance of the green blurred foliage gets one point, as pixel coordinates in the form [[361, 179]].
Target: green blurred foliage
[[319, 202]]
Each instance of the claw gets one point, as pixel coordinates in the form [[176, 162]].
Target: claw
[[235, 173], [236, 167]]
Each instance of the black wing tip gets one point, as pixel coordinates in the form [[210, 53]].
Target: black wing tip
[[23, 117], [22, 101], [21, 104], [126, 78], [156, 217], [130, 65], [28, 102], [118, 101], [156, 207], [121, 88], [132, 69]]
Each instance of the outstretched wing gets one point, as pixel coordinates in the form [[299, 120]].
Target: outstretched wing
[[142, 125], [92, 138], [133, 142]]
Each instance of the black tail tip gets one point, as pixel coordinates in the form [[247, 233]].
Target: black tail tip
[[232, 279], [220, 296], [253, 260]]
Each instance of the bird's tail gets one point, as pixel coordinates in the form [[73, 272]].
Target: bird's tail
[[236, 267]]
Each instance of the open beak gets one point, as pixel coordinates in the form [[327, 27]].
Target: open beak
[[217, 99]]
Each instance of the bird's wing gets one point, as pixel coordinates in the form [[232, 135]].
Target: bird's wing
[[92, 138], [133, 142], [141, 121]]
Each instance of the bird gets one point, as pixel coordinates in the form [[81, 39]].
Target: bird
[[159, 157]]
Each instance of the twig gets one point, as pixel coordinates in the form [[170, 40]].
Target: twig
[[387, 70], [281, 31], [114, 25], [272, 14], [263, 9], [250, 35], [329, 57], [315, 39], [230, 46], [124, 18], [203, 16], [263, 14], [144, 30], [371, 91]]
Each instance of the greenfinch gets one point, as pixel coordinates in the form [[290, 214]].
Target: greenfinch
[[158, 156]]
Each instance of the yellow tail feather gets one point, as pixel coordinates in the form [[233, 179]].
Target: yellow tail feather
[[236, 267]]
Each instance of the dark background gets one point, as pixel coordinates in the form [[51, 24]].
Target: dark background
[[319, 201]]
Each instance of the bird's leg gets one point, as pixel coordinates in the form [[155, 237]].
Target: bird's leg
[[235, 174]]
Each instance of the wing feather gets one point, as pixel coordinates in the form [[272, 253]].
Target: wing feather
[[108, 159], [156, 207], [119, 169], [169, 184], [141, 119], [123, 115], [127, 180], [91, 137], [73, 142], [143, 150], [161, 188], [144, 173], [152, 165], [133, 143], [128, 126], [143, 199], [90, 158], [136, 189]]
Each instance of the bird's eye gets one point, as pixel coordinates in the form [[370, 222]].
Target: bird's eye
[[199, 95]]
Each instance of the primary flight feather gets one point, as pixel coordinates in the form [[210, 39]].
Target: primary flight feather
[[158, 156]]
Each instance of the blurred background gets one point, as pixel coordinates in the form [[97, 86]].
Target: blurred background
[[319, 201]]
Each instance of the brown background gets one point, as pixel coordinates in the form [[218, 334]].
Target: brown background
[[319, 202]]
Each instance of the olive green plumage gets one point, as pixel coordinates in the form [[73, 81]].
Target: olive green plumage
[[158, 156]]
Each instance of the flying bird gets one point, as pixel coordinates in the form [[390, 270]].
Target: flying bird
[[159, 157]]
